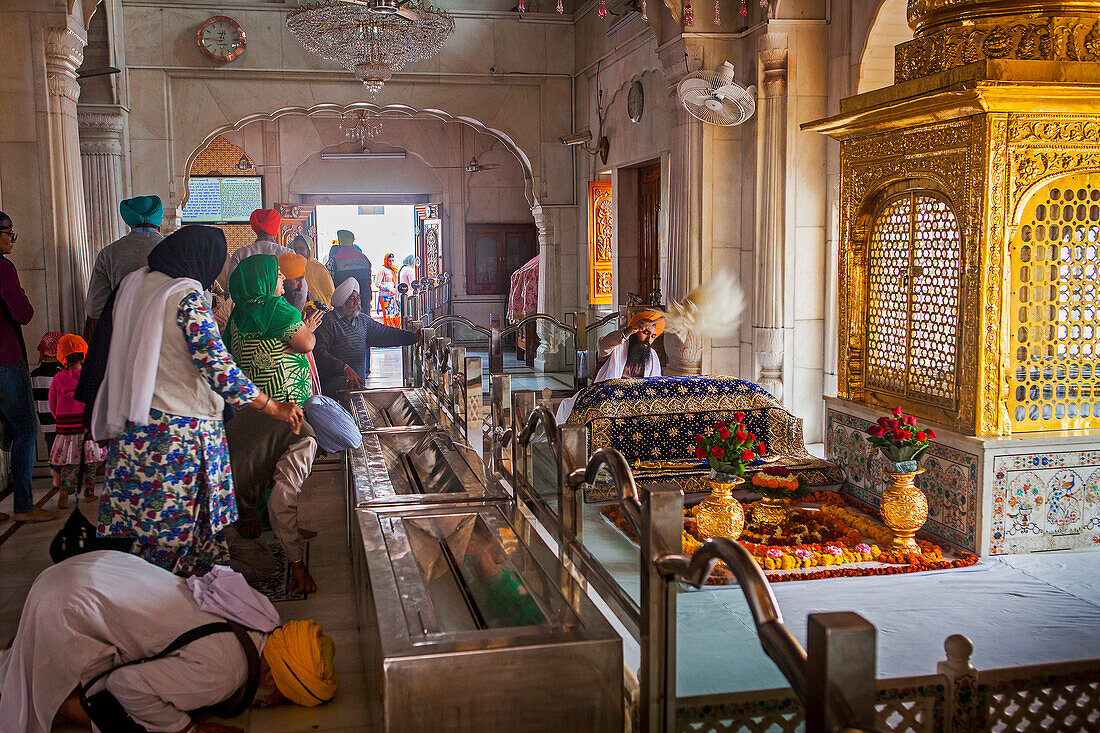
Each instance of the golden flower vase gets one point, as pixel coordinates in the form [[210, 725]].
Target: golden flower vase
[[904, 509], [720, 514], [771, 512]]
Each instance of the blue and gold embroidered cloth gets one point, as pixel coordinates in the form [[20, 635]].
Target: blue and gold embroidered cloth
[[654, 421]]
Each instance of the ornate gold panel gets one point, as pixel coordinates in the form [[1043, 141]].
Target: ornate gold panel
[[601, 253], [909, 269], [1013, 141], [1070, 39], [1055, 334]]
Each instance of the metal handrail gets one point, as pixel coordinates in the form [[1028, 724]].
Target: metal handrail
[[550, 425], [461, 319], [602, 321], [775, 638], [535, 317]]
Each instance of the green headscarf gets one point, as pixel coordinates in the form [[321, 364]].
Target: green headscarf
[[257, 312]]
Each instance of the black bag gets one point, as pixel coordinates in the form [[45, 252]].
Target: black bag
[[78, 536], [107, 713]]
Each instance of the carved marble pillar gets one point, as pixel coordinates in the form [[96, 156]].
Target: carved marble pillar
[[685, 245], [101, 152], [550, 355], [64, 51], [771, 215]]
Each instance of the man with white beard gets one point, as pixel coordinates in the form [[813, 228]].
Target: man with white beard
[[345, 337]]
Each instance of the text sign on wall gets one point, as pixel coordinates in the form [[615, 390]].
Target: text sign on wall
[[222, 199]]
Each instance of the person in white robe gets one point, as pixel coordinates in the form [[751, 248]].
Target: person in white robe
[[95, 611], [625, 354]]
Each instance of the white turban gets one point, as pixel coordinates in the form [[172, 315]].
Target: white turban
[[344, 291]]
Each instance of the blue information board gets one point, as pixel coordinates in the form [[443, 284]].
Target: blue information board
[[222, 199]]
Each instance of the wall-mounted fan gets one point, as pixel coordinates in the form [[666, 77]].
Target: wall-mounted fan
[[715, 98], [388, 7], [474, 167]]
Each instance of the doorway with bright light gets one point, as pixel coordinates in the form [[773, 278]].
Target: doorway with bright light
[[379, 230]]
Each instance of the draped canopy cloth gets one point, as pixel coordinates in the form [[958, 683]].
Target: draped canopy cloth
[[657, 419], [523, 294]]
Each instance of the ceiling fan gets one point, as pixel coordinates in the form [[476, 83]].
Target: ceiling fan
[[715, 98], [474, 167], [387, 7]]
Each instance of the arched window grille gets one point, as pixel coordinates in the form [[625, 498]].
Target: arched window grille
[[1054, 255], [914, 254]]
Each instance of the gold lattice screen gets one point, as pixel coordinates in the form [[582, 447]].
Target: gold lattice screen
[[1055, 336], [913, 265]]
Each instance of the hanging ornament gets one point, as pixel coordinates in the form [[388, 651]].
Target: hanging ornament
[[744, 12], [601, 9], [561, 7], [717, 13], [689, 14], [644, 16], [522, 8]]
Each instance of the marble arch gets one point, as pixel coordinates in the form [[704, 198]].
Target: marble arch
[[888, 29], [336, 109]]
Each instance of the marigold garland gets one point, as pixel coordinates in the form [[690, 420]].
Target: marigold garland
[[834, 556]]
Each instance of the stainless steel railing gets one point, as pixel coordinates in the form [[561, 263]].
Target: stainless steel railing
[[835, 680]]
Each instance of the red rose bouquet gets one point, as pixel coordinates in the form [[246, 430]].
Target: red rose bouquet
[[900, 439], [728, 447]]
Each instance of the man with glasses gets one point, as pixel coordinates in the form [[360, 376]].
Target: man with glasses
[[16, 395]]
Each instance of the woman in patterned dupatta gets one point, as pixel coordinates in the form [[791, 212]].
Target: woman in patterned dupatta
[[387, 293], [158, 379], [266, 335]]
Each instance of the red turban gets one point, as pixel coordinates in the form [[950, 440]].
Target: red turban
[[265, 221], [48, 345]]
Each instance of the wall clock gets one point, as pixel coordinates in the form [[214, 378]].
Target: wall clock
[[221, 38], [635, 102]]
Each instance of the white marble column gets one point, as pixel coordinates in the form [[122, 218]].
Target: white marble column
[[685, 221], [771, 215], [101, 159], [64, 51], [550, 356]]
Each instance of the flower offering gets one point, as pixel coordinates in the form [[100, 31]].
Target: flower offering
[[727, 447]]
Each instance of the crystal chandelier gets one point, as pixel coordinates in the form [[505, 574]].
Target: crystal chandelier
[[363, 126], [371, 44]]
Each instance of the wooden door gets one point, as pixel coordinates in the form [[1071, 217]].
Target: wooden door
[[649, 208], [494, 252]]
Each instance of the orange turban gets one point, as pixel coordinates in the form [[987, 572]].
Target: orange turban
[[300, 657], [644, 317], [265, 221], [70, 344], [293, 265]]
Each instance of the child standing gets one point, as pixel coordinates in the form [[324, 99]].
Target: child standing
[[41, 378], [70, 446]]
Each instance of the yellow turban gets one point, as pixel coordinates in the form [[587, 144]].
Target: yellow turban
[[345, 236], [300, 657], [293, 265], [644, 317]]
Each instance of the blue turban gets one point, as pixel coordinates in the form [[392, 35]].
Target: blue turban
[[142, 211], [332, 424]]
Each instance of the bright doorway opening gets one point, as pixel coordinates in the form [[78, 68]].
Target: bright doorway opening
[[378, 231]]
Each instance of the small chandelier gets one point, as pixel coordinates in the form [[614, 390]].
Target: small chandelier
[[364, 39], [363, 126]]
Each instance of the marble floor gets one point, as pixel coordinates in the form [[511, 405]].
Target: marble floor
[[24, 554]]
